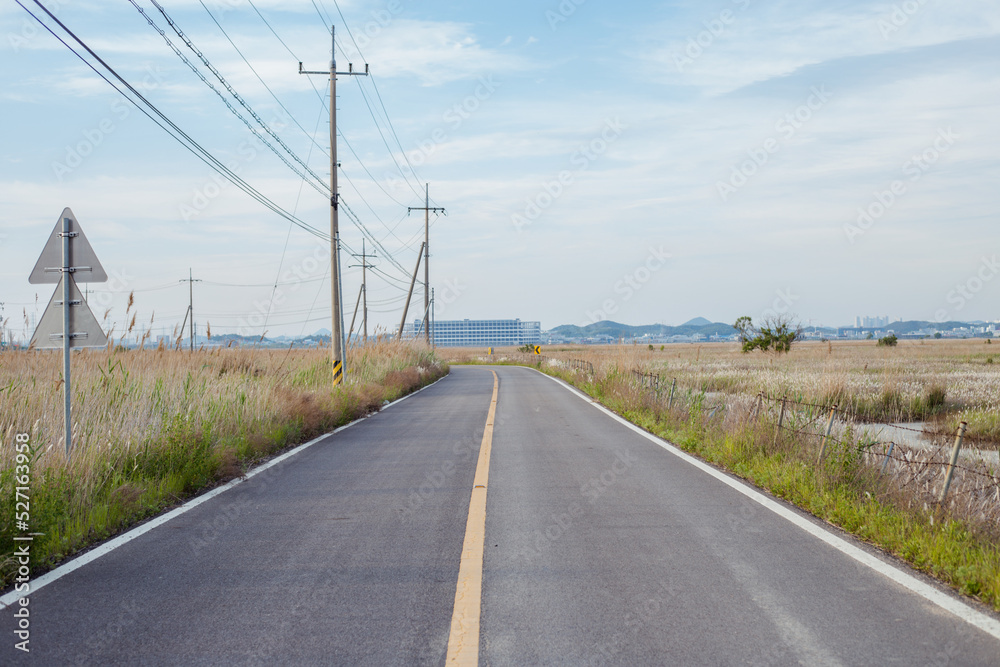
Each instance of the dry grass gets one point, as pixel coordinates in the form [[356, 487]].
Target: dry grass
[[121, 398], [948, 380], [153, 426]]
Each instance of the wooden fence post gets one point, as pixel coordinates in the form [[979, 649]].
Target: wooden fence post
[[781, 419], [673, 386], [826, 436], [954, 460]]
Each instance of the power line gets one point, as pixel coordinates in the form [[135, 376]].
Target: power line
[[384, 141], [311, 137], [364, 96], [320, 187], [339, 133], [325, 19], [375, 180], [364, 230], [378, 94], [173, 130]]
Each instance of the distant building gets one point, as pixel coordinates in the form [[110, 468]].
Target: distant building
[[479, 333], [870, 322]]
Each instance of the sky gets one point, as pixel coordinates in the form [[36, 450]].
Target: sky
[[640, 162]]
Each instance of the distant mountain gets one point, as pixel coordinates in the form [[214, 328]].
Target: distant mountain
[[322, 332], [699, 325], [618, 330]]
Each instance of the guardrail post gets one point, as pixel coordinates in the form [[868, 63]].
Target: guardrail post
[[954, 460], [826, 436]]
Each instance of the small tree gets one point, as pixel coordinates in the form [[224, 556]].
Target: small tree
[[888, 341], [775, 333]]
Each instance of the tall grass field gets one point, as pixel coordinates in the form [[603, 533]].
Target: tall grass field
[[153, 427]]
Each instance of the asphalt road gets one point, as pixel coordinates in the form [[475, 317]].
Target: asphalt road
[[601, 548]]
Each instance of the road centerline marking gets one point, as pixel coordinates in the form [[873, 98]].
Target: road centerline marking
[[463, 641]]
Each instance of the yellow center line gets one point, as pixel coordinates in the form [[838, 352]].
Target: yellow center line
[[463, 643]]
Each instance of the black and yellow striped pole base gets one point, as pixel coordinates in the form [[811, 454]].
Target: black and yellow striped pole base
[[338, 372]]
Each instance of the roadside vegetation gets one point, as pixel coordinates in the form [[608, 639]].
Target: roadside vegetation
[[940, 382], [775, 334], [957, 542], [154, 427]]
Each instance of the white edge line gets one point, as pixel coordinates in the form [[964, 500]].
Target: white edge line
[[112, 544], [974, 617]]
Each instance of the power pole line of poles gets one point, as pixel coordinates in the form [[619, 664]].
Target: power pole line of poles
[[364, 285], [189, 315], [426, 208], [337, 336]]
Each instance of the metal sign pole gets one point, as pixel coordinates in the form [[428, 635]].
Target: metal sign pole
[[66, 253], [67, 276]]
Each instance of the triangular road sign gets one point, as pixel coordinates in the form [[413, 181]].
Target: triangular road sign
[[48, 268], [83, 326]]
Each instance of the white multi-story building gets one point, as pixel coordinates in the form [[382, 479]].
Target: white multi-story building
[[870, 322], [479, 333]]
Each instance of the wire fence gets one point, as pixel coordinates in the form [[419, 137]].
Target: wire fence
[[579, 365], [929, 468], [936, 470]]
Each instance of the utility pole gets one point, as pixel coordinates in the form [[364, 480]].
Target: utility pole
[[426, 208], [189, 315], [406, 308], [364, 285], [337, 337]]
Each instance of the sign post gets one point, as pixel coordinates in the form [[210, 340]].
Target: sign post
[[66, 253]]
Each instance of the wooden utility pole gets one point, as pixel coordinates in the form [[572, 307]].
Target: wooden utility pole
[[337, 337], [364, 285], [413, 281], [189, 316], [426, 208]]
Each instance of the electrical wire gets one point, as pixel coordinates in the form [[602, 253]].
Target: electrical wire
[[378, 94], [311, 137], [322, 187], [357, 157], [163, 121], [195, 148], [392, 155]]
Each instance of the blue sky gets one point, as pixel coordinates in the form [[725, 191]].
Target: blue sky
[[641, 162]]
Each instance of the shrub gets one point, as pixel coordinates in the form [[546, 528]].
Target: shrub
[[934, 396], [888, 341], [775, 333]]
